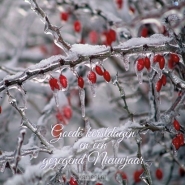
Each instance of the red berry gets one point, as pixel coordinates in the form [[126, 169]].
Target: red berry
[[181, 139], [161, 62], [53, 82], [163, 80], [106, 76], [67, 112], [73, 181], [80, 82], [140, 64], [119, 3], [77, 26], [63, 81], [181, 172], [158, 85], [137, 174], [56, 130], [147, 62], [176, 142], [159, 174], [160, 59], [112, 35], [98, 70], [64, 16], [92, 77], [144, 32], [176, 125], [98, 183], [93, 36], [174, 57]]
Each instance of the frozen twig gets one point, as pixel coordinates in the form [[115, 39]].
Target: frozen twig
[[49, 28], [122, 94], [18, 151], [29, 125]]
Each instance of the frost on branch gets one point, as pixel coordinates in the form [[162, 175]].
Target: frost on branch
[[93, 93]]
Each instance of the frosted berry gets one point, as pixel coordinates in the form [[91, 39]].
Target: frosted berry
[[174, 57], [64, 16], [56, 130], [159, 174], [67, 112], [77, 26], [63, 81], [119, 3], [147, 63], [98, 70], [140, 64], [73, 181], [81, 82], [176, 142], [163, 80], [176, 125], [158, 85], [53, 82], [106, 76], [161, 62], [181, 139], [92, 77]]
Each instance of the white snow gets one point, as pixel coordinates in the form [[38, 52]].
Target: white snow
[[155, 39], [86, 49]]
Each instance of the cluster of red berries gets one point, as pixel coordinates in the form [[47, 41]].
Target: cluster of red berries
[[143, 62], [57, 84], [160, 59], [178, 140], [160, 83], [64, 16], [110, 35], [98, 69], [64, 114], [173, 59]]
